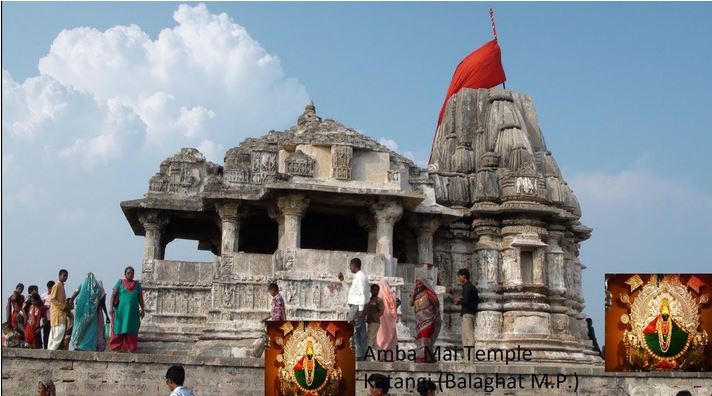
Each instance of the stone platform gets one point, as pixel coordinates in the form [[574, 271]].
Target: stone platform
[[87, 373]]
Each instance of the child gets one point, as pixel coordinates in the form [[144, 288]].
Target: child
[[10, 338]]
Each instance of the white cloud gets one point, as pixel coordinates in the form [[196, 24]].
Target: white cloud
[[102, 94], [390, 143], [213, 152]]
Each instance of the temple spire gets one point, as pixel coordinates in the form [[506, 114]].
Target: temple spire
[[308, 115]]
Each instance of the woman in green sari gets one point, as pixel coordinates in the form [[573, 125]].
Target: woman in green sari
[[86, 300], [127, 309]]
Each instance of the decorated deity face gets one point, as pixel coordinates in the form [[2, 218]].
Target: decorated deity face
[[310, 349], [665, 309]]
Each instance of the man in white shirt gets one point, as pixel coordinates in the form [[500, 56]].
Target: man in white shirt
[[175, 376], [357, 301]]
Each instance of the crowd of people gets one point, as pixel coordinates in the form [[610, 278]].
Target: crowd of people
[[375, 317], [373, 311], [80, 322]]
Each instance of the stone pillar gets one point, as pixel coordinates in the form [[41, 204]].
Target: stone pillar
[[230, 224], [293, 207], [153, 224], [425, 227], [274, 213], [368, 223], [488, 324], [556, 285], [386, 215]]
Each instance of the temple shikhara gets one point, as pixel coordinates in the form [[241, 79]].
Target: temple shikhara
[[295, 206]]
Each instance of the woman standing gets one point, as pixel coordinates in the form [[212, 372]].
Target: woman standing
[[127, 309], [35, 313], [427, 319], [387, 337], [101, 313], [86, 301]]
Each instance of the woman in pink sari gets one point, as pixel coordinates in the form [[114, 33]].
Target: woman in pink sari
[[387, 338], [427, 319]]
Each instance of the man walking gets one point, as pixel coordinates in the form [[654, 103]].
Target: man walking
[[468, 307], [357, 303], [59, 309]]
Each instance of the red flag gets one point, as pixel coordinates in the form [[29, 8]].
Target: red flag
[[481, 69]]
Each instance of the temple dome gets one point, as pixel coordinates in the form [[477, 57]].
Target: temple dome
[[512, 164]]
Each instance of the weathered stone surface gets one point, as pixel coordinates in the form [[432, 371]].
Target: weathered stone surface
[[86, 373]]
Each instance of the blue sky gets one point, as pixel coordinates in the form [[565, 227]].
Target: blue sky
[[623, 93]]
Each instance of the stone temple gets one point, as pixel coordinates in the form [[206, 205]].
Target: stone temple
[[295, 206]]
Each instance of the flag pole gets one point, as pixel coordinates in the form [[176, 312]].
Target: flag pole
[[494, 32]]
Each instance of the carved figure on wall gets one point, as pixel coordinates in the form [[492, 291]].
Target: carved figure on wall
[[525, 186], [228, 294], [316, 296]]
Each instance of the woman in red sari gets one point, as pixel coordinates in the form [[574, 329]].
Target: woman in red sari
[[427, 319], [35, 313], [14, 304]]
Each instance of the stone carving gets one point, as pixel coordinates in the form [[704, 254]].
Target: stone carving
[[225, 266], [228, 296], [393, 176], [264, 165], [283, 259], [525, 186], [316, 296], [181, 174], [341, 157], [443, 262], [300, 164], [291, 292], [149, 298]]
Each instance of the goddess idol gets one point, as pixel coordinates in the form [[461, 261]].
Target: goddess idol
[[664, 337]]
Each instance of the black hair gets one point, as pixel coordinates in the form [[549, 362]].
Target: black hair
[[376, 286], [356, 262], [273, 286], [464, 272], [684, 393], [425, 386], [20, 285], [129, 267], [176, 374], [379, 381], [33, 287], [50, 284], [589, 320], [35, 297], [63, 271]]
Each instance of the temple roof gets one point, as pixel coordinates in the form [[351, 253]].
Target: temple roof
[[333, 164], [312, 129]]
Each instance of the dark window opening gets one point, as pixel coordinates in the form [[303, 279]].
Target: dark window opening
[[258, 233], [333, 232], [403, 244], [527, 266]]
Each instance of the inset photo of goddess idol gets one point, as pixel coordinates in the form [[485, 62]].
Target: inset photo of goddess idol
[[312, 358], [658, 322]]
